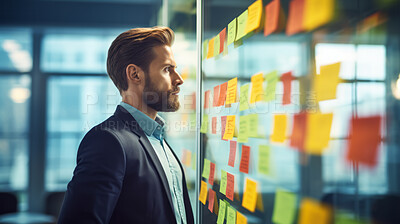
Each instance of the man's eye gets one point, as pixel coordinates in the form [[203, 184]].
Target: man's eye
[[166, 69]]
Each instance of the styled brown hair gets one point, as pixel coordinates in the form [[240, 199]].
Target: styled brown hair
[[135, 46]]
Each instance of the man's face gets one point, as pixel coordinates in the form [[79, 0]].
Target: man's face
[[161, 88]]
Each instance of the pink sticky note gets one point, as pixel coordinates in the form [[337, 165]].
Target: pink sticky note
[[212, 172], [230, 185], [214, 125], [222, 35], [216, 96], [295, 18], [223, 124], [232, 153], [299, 131], [222, 93], [207, 99], [271, 17], [286, 79], [245, 159], [211, 197]]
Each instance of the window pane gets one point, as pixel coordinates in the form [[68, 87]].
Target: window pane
[[371, 62], [15, 50]]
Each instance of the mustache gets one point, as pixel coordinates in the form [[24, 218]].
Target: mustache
[[176, 89]]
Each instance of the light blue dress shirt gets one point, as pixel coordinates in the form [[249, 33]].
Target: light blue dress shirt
[[154, 130]]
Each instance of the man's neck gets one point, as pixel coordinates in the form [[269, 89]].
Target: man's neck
[[142, 107]]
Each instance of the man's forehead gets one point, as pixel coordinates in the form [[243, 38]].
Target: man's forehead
[[164, 55]]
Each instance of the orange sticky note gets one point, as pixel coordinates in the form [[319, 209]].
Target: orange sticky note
[[314, 212], [272, 17], [255, 11], [214, 125], [222, 94], [203, 192], [245, 159], [186, 157], [364, 140], [232, 153], [222, 36], [216, 96], [240, 218], [223, 126], [286, 79], [231, 92], [326, 82], [295, 18], [229, 127], [280, 126], [211, 198], [318, 132], [250, 195], [230, 186], [299, 131], [317, 13], [257, 93], [210, 52], [212, 172], [207, 99]]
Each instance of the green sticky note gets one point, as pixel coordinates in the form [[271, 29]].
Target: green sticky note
[[231, 31], [221, 212], [231, 216], [224, 180], [206, 168], [272, 79], [204, 124], [216, 45], [243, 129], [244, 97], [241, 25], [344, 218], [264, 159], [205, 47], [253, 125], [284, 207]]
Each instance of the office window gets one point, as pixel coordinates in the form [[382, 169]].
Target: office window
[[15, 50]]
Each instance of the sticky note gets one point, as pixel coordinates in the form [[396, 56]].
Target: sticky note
[[212, 172], [279, 129], [221, 212], [259, 203], [244, 97], [230, 186], [284, 207], [204, 124], [216, 96], [286, 79], [326, 82], [206, 168], [223, 126], [257, 93], [243, 129], [253, 125], [186, 157], [298, 131], [295, 17], [318, 132], [231, 215], [214, 125], [217, 42], [207, 99], [272, 79], [222, 36], [317, 13], [241, 25], [223, 183], [205, 47], [222, 94], [245, 159], [272, 17], [210, 51], [240, 218], [250, 195], [255, 12], [229, 127], [232, 153], [314, 212], [364, 140], [211, 197], [203, 192], [231, 91], [264, 159], [231, 32]]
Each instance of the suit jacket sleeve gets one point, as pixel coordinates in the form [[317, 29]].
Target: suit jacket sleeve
[[95, 187]]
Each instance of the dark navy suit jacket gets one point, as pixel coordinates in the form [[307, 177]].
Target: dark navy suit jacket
[[119, 179]]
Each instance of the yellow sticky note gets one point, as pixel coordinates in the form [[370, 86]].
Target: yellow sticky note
[[240, 218], [317, 13], [326, 82], [284, 207], [203, 192], [244, 97], [280, 126], [254, 16], [314, 212], [318, 132], [229, 127], [231, 215], [250, 195], [264, 159], [253, 125], [205, 47], [231, 91], [231, 31], [272, 79], [243, 129], [210, 52], [206, 168], [221, 212], [223, 183], [216, 45], [257, 88], [204, 124], [241, 26]]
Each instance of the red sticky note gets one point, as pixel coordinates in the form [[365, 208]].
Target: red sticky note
[[216, 96], [364, 140], [212, 172], [211, 197], [230, 185], [223, 124], [222, 35], [286, 79], [214, 125], [232, 154], [206, 99], [271, 17], [244, 161], [295, 17], [299, 131], [222, 93]]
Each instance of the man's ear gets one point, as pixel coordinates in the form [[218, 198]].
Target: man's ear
[[134, 74]]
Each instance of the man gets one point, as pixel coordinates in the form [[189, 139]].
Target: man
[[126, 172]]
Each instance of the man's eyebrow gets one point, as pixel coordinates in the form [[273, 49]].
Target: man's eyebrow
[[170, 65]]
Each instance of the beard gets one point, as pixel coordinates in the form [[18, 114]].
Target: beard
[[161, 101]]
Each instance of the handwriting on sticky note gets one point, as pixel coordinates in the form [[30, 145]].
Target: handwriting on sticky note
[[257, 93], [255, 12], [364, 140], [205, 47], [243, 129], [244, 97], [204, 124], [214, 125], [317, 13], [223, 183], [250, 195], [272, 79], [318, 132], [231, 32], [211, 197], [326, 82], [314, 212], [284, 207], [206, 168], [280, 126], [212, 172], [299, 131], [222, 36], [253, 125], [264, 159], [223, 126], [272, 10], [231, 215], [241, 25], [222, 94], [286, 79], [245, 159], [295, 17], [217, 43], [240, 218], [230, 186], [210, 51], [231, 91], [216, 96], [229, 127], [232, 153], [221, 212], [203, 192]]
